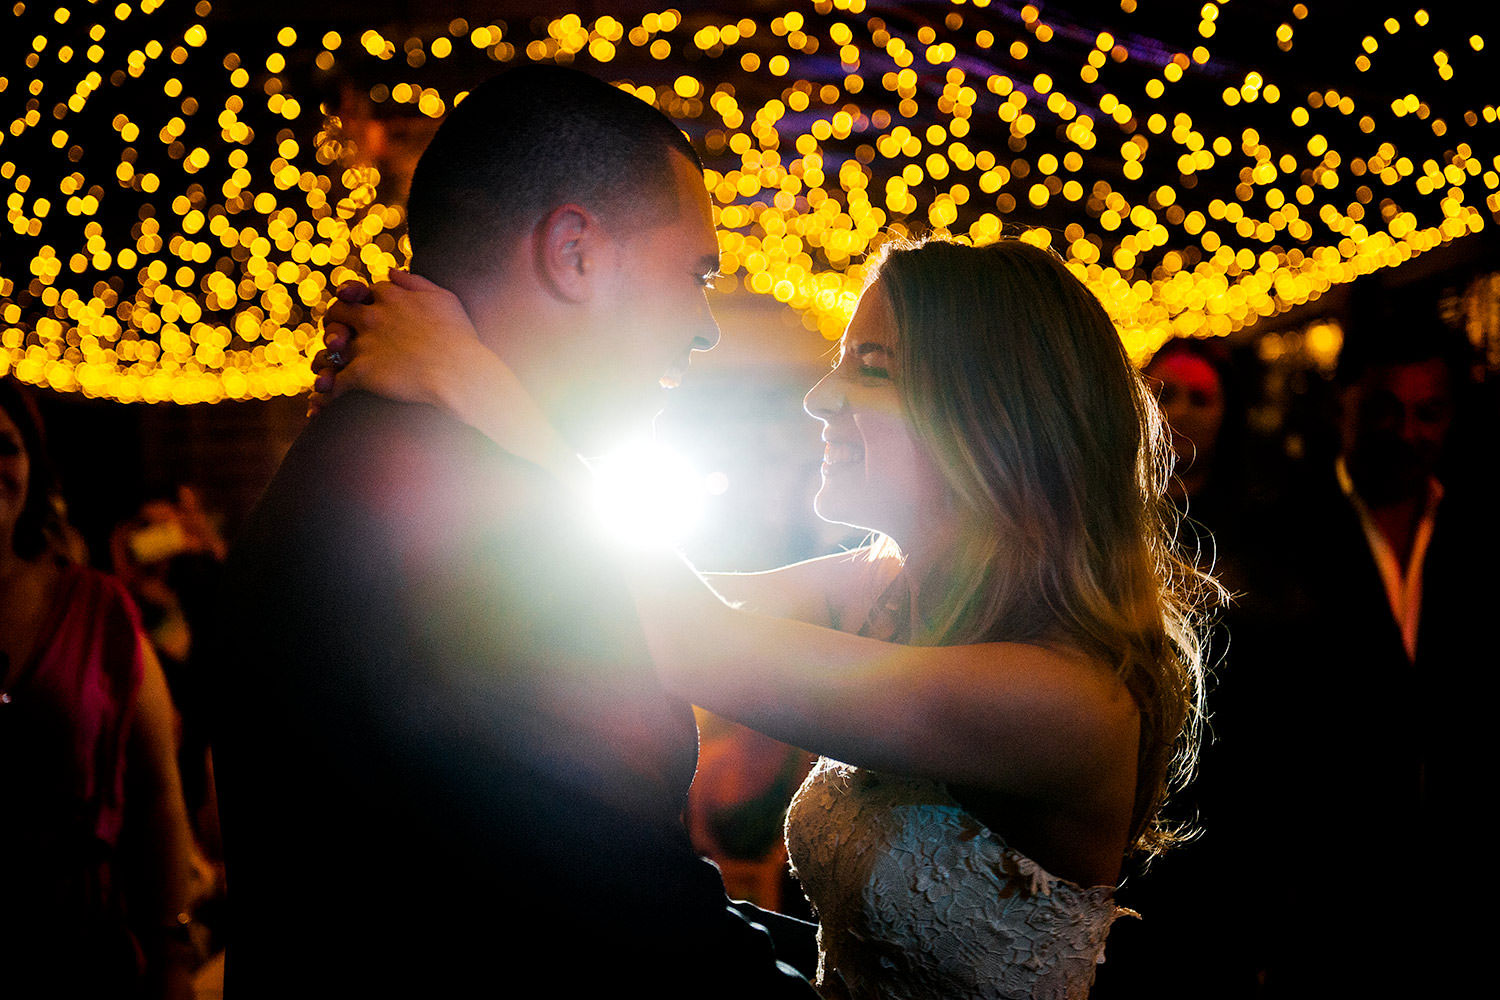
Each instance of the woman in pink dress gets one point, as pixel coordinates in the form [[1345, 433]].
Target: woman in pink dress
[[95, 838]]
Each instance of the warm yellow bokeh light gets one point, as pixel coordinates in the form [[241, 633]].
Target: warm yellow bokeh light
[[182, 248]]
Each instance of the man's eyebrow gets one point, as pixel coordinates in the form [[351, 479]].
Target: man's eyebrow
[[870, 346]]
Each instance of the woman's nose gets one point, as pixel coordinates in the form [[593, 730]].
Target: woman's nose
[[826, 398]]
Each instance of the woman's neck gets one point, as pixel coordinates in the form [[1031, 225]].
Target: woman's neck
[[27, 592], [923, 556]]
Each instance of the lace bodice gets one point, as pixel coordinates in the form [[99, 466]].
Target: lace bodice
[[918, 900]]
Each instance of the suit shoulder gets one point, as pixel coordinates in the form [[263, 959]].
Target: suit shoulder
[[376, 454]]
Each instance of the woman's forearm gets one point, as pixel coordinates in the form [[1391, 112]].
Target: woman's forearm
[[483, 392], [161, 839], [795, 682], [1017, 718]]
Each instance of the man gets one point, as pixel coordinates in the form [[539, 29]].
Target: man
[[445, 762], [1364, 691]]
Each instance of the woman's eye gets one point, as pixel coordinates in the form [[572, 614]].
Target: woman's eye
[[873, 364], [864, 361]]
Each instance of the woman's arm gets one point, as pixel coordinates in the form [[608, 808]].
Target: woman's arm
[[160, 838], [410, 339], [415, 343], [1007, 717]]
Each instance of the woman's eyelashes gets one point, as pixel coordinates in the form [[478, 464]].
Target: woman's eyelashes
[[864, 361], [873, 361]]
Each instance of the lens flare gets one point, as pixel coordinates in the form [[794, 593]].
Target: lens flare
[[647, 494]]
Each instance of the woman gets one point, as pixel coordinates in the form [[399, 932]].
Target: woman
[[95, 835], [1192, 396], [1018, 646]]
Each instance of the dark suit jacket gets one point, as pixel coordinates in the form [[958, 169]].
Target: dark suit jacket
[[442, 754], [1377, 769], [1344, 803]]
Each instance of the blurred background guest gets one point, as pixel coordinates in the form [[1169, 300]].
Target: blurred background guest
[[169, 555], [96, 837], [1349, 700], [1365, 641], [1195, 938], [1192, 382]]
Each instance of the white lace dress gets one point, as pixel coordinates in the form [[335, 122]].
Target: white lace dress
[[918, 900]]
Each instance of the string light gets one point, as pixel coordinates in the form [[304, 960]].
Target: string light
[[184, 191]]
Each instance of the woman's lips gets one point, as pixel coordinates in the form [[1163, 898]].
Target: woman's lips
[[839, 453]]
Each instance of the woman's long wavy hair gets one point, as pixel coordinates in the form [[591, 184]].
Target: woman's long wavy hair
[[1017, 382]]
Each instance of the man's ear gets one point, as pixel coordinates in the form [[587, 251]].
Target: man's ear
[[571, 245]]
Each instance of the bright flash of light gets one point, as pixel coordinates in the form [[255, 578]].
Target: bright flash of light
[[647, 494]]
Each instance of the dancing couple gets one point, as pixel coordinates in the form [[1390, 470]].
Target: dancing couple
[[456, 735]]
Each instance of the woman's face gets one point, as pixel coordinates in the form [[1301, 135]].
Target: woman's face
[[15, 475], [876, 473], [1192, 400]]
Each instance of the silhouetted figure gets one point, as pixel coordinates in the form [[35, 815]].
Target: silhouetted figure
[[445, 760]]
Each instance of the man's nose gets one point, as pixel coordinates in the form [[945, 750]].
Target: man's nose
[[1414, 429], [707, 337]]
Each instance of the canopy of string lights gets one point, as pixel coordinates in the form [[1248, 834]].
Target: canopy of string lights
[[186, 183]]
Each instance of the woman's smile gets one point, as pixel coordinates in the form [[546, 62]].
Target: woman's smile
[[875, 472], [840, 455]]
